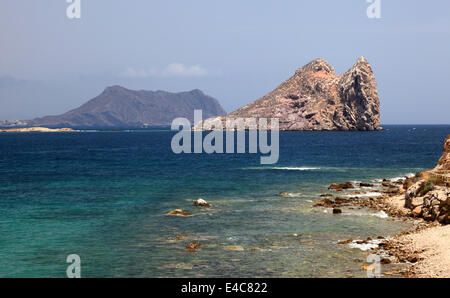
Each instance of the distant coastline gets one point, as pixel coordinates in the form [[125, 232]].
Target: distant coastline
[[38, 129]]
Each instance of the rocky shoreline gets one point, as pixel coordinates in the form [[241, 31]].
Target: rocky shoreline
[[423, 199]]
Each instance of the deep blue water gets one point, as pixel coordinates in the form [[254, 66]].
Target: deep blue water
[[104, 195]]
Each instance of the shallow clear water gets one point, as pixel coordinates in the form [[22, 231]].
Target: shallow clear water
[[103, 196]]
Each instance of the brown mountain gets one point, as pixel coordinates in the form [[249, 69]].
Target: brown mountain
[[118, 107], [315, 98]]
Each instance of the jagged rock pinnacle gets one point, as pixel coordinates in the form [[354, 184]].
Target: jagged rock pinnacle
[[317, 65], [315, 98]]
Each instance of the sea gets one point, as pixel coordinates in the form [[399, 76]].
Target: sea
[[105, 195]]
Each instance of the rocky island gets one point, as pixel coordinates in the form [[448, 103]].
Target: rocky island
[[315, 98], [119, 107]]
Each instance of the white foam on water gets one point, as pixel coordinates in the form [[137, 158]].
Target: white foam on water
[[368, 194], [283, 168], [381, 214], [232, 238], [394, 179], [294, 168], [291, 194], [407, 175]]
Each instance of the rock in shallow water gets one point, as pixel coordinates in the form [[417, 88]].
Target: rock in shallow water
[[178, 212], [193, 246], [201, 203], [340, 187], [337, 211]]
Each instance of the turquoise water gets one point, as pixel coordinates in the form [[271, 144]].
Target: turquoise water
[[104, 195]]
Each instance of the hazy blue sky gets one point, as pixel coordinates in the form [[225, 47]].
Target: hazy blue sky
[[233, 50]]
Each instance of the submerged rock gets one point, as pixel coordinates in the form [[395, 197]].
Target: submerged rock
[[339, 187], [337, 202], [324, 203], [178, 212], [235, 248], [193, 246], [341, 242]]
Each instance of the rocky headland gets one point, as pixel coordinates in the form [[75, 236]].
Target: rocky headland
[[423, 199], [315, 98]]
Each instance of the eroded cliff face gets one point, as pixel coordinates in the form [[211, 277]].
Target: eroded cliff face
[[428, 193], [444, 162], [315, 98]]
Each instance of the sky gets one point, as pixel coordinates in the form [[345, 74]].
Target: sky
[[235, 51]]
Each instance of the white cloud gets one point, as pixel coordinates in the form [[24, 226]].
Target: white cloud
[[171, 70]]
